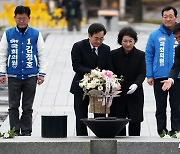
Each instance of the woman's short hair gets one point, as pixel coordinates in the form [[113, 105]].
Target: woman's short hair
[[127, 31]]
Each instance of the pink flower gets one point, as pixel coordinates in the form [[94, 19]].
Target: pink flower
[[107, 73], [118, 86]]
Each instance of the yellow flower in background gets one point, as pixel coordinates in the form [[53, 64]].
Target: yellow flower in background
[[8, 14], [62, 23], [44, 19], [40, 16], [52, 24], [57, 12], [2, 15], [83, 21], [26, 3]]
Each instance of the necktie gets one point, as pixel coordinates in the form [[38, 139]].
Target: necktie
[[94, 54]]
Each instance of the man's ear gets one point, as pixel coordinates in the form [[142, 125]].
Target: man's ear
[[176, 18], [89, 35]]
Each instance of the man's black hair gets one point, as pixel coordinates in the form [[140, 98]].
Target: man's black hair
[[22, 9], [167, 8], [96, 28]]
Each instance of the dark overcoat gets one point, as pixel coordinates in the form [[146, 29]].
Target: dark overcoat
[[176, 66], [132, 67], [83, 62]]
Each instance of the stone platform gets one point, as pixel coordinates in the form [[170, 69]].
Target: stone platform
[[89, 145]]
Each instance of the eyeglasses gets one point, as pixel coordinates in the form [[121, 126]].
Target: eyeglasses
[[22, 19], [98, 39], [168, 17]]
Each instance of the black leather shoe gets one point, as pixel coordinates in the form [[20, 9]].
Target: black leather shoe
[[18, 133], [25, 134]]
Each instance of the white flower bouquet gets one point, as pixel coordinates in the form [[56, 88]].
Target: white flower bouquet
[[101, 86]]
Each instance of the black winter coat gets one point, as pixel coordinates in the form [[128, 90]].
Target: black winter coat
[[132, 67]]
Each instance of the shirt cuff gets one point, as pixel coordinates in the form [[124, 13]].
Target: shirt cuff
[[42, 74], [172, 80], [2, 74]]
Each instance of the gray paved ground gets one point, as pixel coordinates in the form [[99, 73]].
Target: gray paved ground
[[53, 97]]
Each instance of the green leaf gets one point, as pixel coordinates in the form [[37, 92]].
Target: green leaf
[[1, 135], [163, 134], [84, 95], [12, 133], [174, 136]]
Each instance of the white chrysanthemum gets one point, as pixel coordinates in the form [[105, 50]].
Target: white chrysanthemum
[[100, 88], [96, 80], [86, 78], [91, 85], [83, 84], [94, 72], [99, 74], [6, 135], [178, 135], [167, 136]]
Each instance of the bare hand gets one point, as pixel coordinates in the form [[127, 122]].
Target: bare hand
[[167, 84], [150, 81], [2, 79], [40, 80]]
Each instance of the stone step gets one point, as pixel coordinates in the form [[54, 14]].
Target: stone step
[[90, 145]]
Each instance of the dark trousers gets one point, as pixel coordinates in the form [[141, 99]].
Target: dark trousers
[[25, 89], [134, 128], [81, 111], [74, 22], [161, 105]]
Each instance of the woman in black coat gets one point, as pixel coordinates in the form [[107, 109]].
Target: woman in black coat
[[129, 62]]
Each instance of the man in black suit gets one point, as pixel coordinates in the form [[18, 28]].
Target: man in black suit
[[86, 55], [176, 66]]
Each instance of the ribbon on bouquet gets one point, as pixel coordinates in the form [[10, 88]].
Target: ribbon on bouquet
[[107, 97]]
